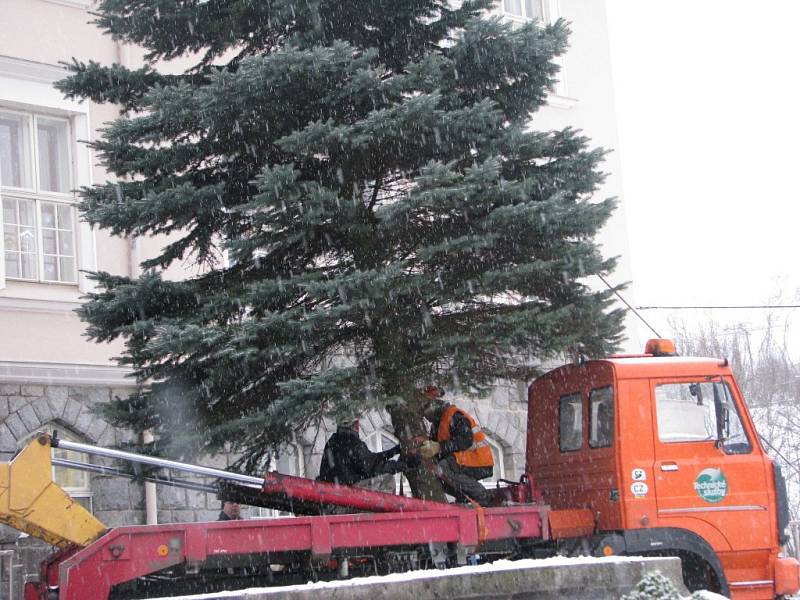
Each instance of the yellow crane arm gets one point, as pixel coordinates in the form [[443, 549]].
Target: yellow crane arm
[[30, 500]]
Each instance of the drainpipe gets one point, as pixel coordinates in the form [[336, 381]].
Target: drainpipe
[[150, 499]]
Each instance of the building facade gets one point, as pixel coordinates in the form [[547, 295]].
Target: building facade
[[52, 377]]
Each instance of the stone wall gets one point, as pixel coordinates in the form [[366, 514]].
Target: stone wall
[[28, 408]]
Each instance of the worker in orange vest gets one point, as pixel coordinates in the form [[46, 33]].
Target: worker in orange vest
[[459, 448]]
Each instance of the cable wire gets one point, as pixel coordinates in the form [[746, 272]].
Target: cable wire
[[625, 302], [742, 306], [788, 462]]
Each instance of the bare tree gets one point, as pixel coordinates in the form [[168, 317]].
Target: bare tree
[[769, 379]]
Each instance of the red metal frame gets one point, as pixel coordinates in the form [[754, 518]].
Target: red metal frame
[[48, 574], [127, 553]]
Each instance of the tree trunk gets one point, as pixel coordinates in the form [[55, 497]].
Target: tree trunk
[[409, 429]]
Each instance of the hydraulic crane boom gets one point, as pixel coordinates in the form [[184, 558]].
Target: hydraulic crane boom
[[30, 500]]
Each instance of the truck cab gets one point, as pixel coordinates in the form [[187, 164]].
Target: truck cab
[[663, 453]]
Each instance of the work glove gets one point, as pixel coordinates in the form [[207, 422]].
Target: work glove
[[429, 449]]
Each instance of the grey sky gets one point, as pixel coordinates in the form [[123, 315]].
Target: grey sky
[[708, 102]]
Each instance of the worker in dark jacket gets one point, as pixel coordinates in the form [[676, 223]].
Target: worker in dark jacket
[[347, 460], [459, 448], [231, 511]]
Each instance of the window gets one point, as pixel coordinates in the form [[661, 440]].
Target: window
[[601, 417], [39, 220], [519, 12], [288, 462], [76, 483], [499, 464], [524, 9], [378, 441], [570, 423], [700, 411]]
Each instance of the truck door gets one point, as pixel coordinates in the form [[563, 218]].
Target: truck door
[[709, 471]]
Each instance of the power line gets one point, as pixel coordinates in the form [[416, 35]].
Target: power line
[[625, 302], [776, 451], [741, 306]]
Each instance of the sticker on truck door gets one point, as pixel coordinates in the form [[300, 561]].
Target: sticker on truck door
[[639, 489], [639, 475], [711, 485]]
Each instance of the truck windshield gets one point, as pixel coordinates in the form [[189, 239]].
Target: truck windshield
[[700, 411]]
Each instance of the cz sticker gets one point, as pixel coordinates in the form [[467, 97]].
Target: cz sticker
[[639, 489]]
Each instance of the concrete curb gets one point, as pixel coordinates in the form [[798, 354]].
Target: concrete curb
[[598, 579]]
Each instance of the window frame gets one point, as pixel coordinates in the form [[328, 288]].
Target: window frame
[[593, 424], [33, 144], [35, 194], [558, 96], [662, 418], [524, 18], [561, 403], [83, 493], [18, 225], [379, 434], [499, 463], [715, 409], [274, 513], [27, 86]]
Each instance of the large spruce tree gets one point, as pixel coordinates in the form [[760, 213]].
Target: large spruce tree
[[368, 205]]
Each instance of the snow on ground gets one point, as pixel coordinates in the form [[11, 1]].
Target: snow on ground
[[499, 565]]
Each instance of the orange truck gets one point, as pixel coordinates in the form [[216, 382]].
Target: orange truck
[[656, 454]]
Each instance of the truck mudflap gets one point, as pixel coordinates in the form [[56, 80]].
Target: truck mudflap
[[782, 504], [787, 576]]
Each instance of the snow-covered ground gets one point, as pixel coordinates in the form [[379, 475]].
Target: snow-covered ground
[[500, 565]]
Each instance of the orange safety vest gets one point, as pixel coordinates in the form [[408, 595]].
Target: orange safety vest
[[479, 454]]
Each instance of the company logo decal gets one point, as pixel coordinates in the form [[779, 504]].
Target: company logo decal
[[711, 485]]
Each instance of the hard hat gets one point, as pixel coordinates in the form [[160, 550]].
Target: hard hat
[[432, 391]]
